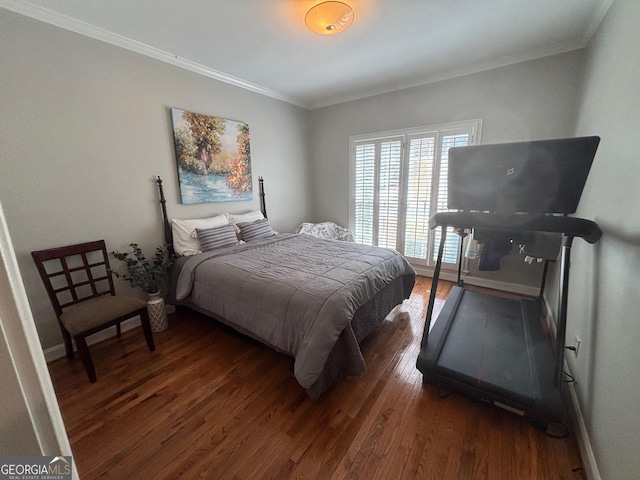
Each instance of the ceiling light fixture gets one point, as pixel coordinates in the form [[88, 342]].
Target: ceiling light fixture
[[329, 18]]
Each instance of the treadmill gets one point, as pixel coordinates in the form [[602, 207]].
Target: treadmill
[[493, 348]]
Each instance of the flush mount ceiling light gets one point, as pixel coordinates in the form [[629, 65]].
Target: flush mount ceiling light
[[329, 18]]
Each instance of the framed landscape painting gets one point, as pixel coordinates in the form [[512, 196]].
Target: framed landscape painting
[[213, 157]]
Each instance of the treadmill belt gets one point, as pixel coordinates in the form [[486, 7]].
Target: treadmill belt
[[488, 347], [495, 349]]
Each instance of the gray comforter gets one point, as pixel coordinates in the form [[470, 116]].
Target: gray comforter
[[295, 293]]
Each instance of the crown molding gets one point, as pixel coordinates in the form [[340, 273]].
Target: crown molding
[[594, 22], [449, 74], [83, 28], [590, 29]]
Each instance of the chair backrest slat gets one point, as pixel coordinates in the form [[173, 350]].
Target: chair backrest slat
[[89, 273], [82, 284], [83, 273], [67, 276]]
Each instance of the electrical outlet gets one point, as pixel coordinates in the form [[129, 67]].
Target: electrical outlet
[[576, 346]]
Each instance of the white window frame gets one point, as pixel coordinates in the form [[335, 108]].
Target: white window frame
[[473, 126]]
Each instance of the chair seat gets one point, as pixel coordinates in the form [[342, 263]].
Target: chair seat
[[84, 316]]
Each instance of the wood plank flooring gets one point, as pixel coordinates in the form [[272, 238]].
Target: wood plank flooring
[[211, 404]]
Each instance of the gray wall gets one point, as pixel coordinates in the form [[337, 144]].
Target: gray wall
[[604, 301], [84, 128], [529, 100]]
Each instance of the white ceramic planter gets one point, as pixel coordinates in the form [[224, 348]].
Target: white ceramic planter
[[157, 312]]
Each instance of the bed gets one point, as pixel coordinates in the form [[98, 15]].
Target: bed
[[313, 299]]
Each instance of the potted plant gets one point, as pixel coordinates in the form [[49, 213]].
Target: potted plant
[[149, 276]]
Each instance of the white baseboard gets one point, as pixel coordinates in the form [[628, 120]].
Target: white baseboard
[[575, 412], [58, 351], [582, 436], [483, 282]]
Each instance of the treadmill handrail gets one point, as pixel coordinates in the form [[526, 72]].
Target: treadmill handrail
[[570, 226]]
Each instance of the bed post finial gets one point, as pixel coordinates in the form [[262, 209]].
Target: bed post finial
[[263, 206], [165, 220]]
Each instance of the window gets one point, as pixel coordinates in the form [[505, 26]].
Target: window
[[399, 180]]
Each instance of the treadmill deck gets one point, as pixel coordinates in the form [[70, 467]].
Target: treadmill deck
[[494, 348]]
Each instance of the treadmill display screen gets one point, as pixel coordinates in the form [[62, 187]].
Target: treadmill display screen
[[542, 176]]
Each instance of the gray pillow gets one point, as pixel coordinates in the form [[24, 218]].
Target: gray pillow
[[216, 237], [254, 230]]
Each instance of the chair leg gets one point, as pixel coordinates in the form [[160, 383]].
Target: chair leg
[[118, 330], [68, 344], [146, 328], [83, 350]]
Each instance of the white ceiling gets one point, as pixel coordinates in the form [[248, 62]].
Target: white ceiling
[[263, 45]]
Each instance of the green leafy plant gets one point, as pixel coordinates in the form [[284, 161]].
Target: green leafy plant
[[143, 273]]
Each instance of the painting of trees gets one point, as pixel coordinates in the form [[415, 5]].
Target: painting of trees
[[205, 134], [213, 158], [240, 177]]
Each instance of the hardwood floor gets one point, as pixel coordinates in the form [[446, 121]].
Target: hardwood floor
[[211, 404]]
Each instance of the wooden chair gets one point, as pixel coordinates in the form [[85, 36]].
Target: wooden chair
[[80, 287]]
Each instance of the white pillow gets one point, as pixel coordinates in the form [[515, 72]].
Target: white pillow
[[185, 240], [249, 217]]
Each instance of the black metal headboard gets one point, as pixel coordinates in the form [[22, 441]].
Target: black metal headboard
[[168, 235]]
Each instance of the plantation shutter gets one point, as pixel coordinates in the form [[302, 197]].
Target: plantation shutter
[[399, 180], [365, 189], [389, 191], [377, 178], [451, 245], [421, 161]]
